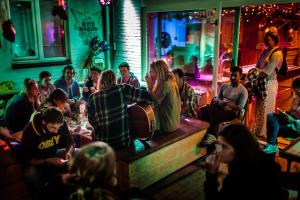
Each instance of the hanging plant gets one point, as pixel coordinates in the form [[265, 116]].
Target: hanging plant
[[96, 48], [60, 10], [9, 32]]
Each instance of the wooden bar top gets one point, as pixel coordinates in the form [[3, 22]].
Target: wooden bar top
[[187, 127], [292, 151]]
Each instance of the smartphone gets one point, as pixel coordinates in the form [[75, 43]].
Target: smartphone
[[281, 111], [64, 161]]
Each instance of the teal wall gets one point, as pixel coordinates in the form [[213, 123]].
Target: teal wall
[[125, 44], [78, 50]]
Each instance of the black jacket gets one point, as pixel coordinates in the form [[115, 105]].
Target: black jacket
[[36, 144], [246, 181], [89, 83], [18, 112]]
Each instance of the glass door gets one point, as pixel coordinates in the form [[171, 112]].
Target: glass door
[[186, 40]]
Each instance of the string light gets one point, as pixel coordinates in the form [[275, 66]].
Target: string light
[[267, 10]]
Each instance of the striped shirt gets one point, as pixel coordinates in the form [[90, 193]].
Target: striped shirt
[[107, 112]]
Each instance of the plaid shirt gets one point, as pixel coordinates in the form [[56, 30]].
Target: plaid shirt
[[132, 81], [107, 112], [45, 92], [256, 86], [187, 96]]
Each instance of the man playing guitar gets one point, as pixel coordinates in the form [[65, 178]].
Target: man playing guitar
[[108, 112]]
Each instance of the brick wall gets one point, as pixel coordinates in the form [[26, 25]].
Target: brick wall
[[127, 35]]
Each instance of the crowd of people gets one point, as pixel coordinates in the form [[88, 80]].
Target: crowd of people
[[37, 118]]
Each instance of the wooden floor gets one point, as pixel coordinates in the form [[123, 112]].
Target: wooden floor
[[187, 183]]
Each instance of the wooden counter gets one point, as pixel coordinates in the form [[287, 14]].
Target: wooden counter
[[144, 164]]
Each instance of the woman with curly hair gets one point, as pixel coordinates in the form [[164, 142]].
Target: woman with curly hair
[[93, 172]]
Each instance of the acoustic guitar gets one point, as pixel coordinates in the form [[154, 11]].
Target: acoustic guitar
[[141, 121]]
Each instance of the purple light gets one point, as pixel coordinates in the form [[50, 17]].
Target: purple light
[[104, 3]]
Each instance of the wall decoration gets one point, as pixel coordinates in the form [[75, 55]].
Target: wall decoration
[[87, 24], [8, 30]]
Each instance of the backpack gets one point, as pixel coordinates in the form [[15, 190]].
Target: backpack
[[283, 69]]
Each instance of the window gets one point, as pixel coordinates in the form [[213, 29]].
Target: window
[[181, 37], [184, 39], [41, 37]]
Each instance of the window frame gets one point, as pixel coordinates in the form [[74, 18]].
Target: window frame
[[39, 59]]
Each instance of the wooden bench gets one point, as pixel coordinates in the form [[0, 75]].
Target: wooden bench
[[144, 164], [12, 184]]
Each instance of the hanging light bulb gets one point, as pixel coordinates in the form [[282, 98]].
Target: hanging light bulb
[[60, 10]]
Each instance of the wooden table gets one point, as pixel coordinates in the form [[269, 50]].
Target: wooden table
[[83, 129], [291, 153]]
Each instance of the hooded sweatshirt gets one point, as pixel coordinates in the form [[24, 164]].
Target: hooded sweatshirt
[[133, 80]]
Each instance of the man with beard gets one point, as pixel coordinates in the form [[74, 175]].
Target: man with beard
[[228, 105], [69, 84], [46, 146]]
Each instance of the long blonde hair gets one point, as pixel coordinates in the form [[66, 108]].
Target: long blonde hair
[[162, 70], [163, 73], [107, 79], [95, 171]]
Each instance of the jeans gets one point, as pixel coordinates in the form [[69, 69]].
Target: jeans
[[275, 128]]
